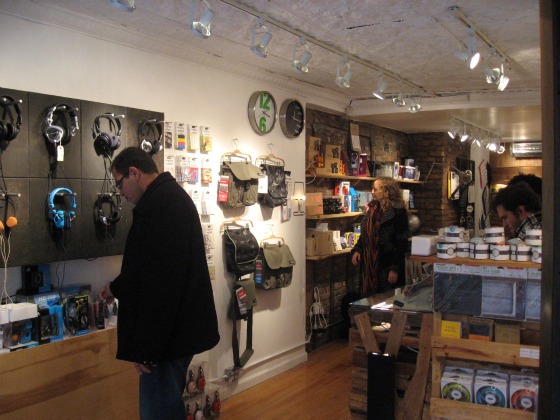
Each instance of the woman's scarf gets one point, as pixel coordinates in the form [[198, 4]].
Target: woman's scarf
[[371, 247]]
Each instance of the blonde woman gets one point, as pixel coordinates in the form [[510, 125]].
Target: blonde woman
[[383, 241]]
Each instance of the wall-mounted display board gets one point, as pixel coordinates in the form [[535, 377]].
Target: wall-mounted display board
[[25, 166]]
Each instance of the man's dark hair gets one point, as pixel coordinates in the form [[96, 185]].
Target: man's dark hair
[[532, 180], [134, 156], [519, 194]]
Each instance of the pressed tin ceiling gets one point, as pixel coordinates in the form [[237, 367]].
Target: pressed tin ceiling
[[412, 41]]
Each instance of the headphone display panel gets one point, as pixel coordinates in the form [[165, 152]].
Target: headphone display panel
[[8, 129]]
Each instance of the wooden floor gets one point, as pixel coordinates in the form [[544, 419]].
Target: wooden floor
[[316, 389]]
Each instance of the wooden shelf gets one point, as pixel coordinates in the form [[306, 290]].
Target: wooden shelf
[[357, 178], [456, 410], [324, 257], [481, 351], [335, 216], [470, 261]]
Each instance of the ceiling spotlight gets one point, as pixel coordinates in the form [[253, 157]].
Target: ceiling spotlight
[[493, 147], [464, 136], [301, 64], [492, 75], [127, 5], [471, 57], [381, 86], [399, 100], [343, 67], [414, 106], [501, 149], [201, 27], [452, 129], [504, 80], [260, 48]]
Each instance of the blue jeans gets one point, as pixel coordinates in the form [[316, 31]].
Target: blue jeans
[[161, 391]]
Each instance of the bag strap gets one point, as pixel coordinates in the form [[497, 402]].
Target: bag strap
[[248, 352]]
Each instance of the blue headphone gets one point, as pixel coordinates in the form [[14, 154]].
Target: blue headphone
[[62, 218]]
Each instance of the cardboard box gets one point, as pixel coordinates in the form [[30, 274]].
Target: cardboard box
[[314, 145], [332, 165], [310, 247], [506, 332], [333, 151], [481, 329], [325, 242], [313, 203]]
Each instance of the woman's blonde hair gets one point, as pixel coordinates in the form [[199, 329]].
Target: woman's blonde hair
[[391, 193]]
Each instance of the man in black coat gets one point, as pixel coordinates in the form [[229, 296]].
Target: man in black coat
[[166, 306]]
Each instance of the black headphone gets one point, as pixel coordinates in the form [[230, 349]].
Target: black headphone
[[144, 129], [60, 134], [62, 215], [106, 143], [9, 131], [113, 205]]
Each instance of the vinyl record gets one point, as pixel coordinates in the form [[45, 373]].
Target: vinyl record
[[457, 392], [524, 399], [489, 395]]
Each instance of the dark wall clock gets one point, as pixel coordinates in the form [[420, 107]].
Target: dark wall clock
[[292, 118]]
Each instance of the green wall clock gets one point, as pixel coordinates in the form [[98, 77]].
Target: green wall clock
[[261, 111]]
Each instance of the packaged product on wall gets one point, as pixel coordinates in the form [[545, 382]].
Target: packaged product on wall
[[181, 168], [205, 139], [168, 132], [206, 172], [194, 140], [193, 170], [180, 136]]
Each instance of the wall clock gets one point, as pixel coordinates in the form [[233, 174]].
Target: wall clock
[[262, 112], [292, 118]]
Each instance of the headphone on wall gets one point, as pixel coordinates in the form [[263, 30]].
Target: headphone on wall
[[107, 210], [144, 129], [9, 130], [55, 133], [62, 215], [105, 143]]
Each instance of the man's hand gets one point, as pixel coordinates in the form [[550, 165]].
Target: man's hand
[[140, 368], [105, 294]]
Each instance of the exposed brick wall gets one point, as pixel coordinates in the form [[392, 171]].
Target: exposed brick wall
[[334, 277]]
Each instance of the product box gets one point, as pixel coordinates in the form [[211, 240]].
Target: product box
[[333, 151], [313, 204], [333, 166], [524, 392], [325, 242], [481, 329], [450, 329], [457, 384], [310, 247], [505, 332], [533, 295], [423, 245]]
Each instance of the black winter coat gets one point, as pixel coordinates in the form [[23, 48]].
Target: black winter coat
[[393, 245], [166, 305]]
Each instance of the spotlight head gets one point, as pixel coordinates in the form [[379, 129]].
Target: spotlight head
[[201, 27], [501, 149], [464, 137], [399, 100], [414, 106], [502, 84], [452, 133], [301, 64], [343, 67], [127, 5], [492, 75], [474, 59], [379, 92], [260, 48]]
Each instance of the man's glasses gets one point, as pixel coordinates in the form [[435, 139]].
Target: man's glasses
[[119, 183]]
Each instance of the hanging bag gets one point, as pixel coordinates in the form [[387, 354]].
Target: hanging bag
[[274, 266], [277, 191], [241, 249], [242, 183]]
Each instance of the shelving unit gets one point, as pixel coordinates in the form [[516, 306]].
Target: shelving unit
[[473, 352], [357, 178]]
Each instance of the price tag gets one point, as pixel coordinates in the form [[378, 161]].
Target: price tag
[[60, 153]]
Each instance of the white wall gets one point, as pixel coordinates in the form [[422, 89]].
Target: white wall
[[49, 60]]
